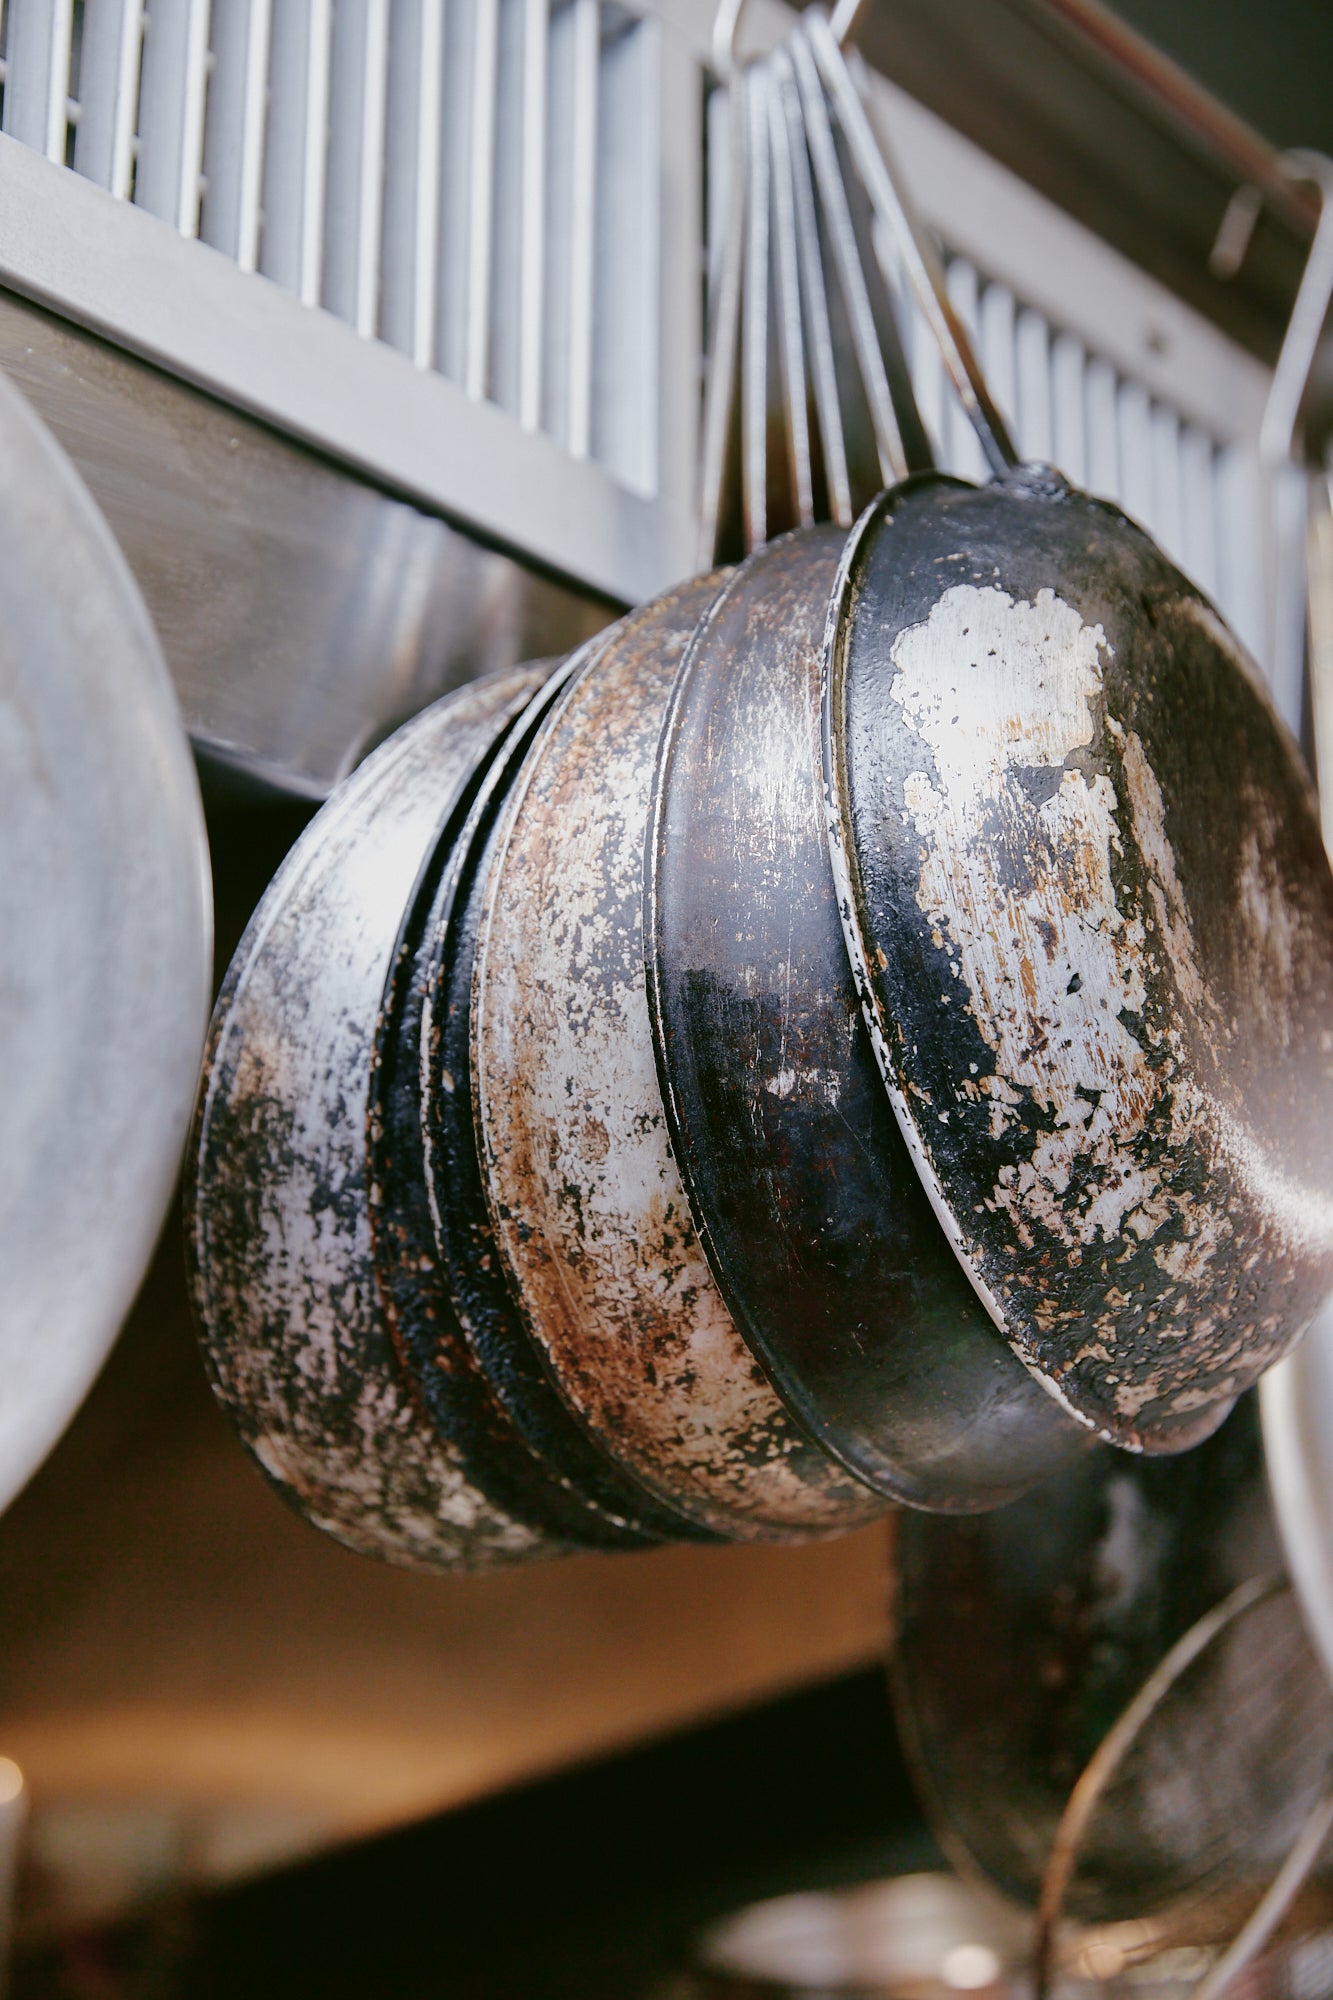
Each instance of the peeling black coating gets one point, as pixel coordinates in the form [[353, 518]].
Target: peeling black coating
[[615, 1510], [1148, 1330], [806, 1199]]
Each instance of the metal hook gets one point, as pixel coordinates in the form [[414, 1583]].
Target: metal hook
[[1300, 344], [843, 22], [726, 23]]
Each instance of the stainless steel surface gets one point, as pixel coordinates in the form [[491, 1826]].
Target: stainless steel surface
[[105, 940], [303, 614], [867, 358], [278, 1232], [918, 255]]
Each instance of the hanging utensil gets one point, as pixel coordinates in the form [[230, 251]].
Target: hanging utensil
[[1217, 1778], [614, 1509], [1022, 1634], [1119, 1100], [721, 523], [805, 1197], [105, 940], [283, 1278], [453, 1323], [586, 1197], [831, 493]]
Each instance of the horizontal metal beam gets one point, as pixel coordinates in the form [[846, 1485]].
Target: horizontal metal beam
[[110, 267]]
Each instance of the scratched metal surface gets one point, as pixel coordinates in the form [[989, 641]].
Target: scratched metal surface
[[589, 1208], [421, 1304], [805, 1197], [1084, 887], [282, 1273], [593, 1489]]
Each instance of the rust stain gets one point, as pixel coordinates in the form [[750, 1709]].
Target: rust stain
[[587, 1199]]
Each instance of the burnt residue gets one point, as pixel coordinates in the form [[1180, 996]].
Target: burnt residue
[[414, 1287], [282, 1272], [807, 1202], [1086, 893], [592, 1493], [590, 1211]]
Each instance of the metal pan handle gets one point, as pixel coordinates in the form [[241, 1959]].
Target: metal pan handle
[[920, 260]]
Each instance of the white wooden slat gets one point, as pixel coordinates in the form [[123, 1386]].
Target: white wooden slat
[[626, 360], [354, 192], [481, 198], [455, 157], [172, 83], [1198, 506], [1241, 588], [998, 360], [585, 93], [928, 383], [1032, 366], [1069, 415], [234, 130], [292, 249], [1134, 437], [37, 53], [1167, 496], [1102, 434], [962, 451], [412, 178], [505, 335], [108, 93], [532, 290]]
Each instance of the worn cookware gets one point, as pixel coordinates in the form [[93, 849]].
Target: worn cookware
[[595, 1497], [294, 1331], [805, 1197], [588, 1206], [1083, 893], [454, 1326]]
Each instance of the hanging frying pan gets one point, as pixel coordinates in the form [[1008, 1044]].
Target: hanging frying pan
[[803, 1191], [105, 939], [294, 1332], [587, 1200], [1086, 902], [477, 1331]]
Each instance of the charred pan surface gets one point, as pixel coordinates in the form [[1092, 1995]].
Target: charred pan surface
[[1085, 889], [282, 1274], [813, 1217], [590, 1484], [589, 1207], [418, 1299]]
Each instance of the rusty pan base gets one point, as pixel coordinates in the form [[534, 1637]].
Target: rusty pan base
[[589, 1487], [590, 1212], [806, 1199], [417, 1302], [1084, 889], [282, 1267]]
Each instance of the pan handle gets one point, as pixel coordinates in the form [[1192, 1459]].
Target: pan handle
[[920, 259]]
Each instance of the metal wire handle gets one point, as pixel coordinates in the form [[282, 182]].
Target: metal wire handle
[[1300, 343], [919, 257], [1102, 1767]]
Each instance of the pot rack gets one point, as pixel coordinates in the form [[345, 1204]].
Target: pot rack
[[487, 439]]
